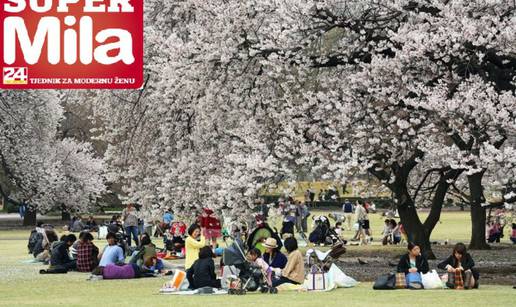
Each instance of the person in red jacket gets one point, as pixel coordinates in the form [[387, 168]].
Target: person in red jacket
[[211, 227]]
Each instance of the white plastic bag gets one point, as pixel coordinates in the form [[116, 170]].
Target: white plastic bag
[[103, 230], [340, 279], [431, 280]]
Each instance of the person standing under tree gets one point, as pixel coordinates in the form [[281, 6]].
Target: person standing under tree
[[302, 214], [347, 207], [22, 208], [362, 219], [307, 197], [130, 218]]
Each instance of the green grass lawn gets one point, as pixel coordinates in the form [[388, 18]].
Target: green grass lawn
[[22, 285]]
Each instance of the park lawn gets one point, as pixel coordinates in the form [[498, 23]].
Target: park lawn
[[22, 285]]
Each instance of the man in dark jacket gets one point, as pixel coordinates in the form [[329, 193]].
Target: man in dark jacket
[[60, 254]]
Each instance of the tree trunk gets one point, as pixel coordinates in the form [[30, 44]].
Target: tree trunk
[[30, 216], [438, 200], [478, 213], [416, 232], [65, 216]]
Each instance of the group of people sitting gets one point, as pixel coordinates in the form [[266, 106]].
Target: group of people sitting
[[460, 267], [82, 255], [495, 226], [200, 266], [391, 232], [77, 224]]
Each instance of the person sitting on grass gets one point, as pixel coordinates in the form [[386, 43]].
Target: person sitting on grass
[[42, 249], [112, 253], [168, 217], [294, 271], [202, 272], [396, 232], [254, 256], [91, 225], [87, 253], [493, 232], [77, 225], [387, 232], [338, 229], [460, 261], [193, 244], [146, 256], [513, 234], [272, 255], [60, 256], [413, 261]]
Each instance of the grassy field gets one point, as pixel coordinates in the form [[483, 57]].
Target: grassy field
[[22, 285]]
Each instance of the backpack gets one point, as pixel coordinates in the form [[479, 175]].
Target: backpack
[[385, 282], [348, 207], [38, 248], [34, 237]]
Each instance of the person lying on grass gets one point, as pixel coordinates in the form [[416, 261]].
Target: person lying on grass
[[112, 253], [460, 261], [120, 271], [202, 272]]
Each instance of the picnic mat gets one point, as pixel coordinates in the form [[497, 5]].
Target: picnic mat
[[32, 261], [190, 292]]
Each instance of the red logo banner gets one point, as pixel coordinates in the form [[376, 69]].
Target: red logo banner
[[79, 44]]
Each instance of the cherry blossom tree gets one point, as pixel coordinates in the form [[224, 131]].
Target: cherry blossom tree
[[241, 95], [47, 171]]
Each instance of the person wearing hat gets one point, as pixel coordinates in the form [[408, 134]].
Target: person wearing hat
[[272, 255]]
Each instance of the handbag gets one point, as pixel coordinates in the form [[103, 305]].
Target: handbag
[[401, 281], [316, 281], [459, 282], [385, 282], [414, 281], [431, 280]]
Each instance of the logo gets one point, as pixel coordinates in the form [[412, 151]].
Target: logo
[[83, 44], [15, 75]]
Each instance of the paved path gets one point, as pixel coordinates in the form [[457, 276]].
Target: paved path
[[16, 217]]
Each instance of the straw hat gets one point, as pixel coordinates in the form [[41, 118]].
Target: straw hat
[[270, 243]]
